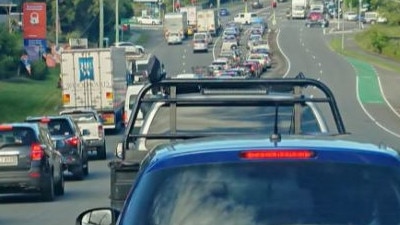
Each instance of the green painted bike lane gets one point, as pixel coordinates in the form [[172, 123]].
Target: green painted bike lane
[[368, 86]]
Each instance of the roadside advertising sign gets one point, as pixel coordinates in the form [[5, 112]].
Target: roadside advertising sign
[[34, 20], [35, 48]]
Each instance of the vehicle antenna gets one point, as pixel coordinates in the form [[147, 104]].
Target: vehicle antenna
[[275, 136]]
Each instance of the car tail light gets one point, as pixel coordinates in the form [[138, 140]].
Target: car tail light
[[5, 127], [44, 120], [253, 68], [73, 141], [36, 151], [277, 154], [100, 130]]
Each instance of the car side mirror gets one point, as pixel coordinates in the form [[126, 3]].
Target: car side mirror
[[98, 216], [85, 132]]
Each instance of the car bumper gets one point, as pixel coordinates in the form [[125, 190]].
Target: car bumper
[[94, 143], [19, 181]]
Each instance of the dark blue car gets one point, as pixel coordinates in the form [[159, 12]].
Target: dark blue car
[[259, 180], [224, 12]]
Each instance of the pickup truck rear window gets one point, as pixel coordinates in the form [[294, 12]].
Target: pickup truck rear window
[[228, 119]]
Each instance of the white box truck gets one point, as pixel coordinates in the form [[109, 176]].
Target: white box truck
[[191, 12], [299, 9], [175, 27], [208, 21], [95, 78]]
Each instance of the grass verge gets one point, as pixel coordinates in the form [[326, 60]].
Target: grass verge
[[21, 97], [373, 59]]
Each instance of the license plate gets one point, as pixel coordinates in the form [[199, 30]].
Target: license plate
[[9, 160]]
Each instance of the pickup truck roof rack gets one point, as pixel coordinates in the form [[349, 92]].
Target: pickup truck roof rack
[[260, 87]]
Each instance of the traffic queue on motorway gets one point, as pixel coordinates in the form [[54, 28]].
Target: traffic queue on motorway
[[37, 154]]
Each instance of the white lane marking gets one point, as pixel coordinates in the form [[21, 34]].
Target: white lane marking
[[370, 116], [284, 55], [384, 98]]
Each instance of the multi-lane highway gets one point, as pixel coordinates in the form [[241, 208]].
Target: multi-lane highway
[[306, 51]]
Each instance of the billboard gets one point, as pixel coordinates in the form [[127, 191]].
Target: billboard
[[34, 20]]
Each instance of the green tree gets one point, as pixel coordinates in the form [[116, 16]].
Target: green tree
[[10, 52], [80, 18]]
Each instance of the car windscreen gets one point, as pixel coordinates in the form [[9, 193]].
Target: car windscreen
[[229, 119], [17, 136], [258, 193], [57, 127]]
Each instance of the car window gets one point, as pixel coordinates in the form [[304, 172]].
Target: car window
[[83, 117], [17, 136], [227, 119], [266, 193], [59, 127]]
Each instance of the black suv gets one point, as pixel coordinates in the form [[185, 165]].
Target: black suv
[[29, 161], [68, 139]]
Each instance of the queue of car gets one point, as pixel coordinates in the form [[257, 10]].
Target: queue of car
[[37, 153], [233, 61]]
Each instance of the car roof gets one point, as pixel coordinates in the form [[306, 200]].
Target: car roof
[[228, 149], [21, 124], [33, 118]]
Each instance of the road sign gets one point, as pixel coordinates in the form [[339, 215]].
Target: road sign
[[132, 20]]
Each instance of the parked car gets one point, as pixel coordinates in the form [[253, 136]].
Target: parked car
[[69, 141], [149, 20], [91, 126], [29, 161], [350, 16]]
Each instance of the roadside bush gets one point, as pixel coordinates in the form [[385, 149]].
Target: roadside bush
[[378, 40], [8, 67], [39, 70]]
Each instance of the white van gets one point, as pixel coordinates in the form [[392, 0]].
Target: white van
[[130, 99], [244, 18]]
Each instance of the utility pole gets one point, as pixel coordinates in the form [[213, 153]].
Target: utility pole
[[57, 22], [101, 25], [338, 7], [116, 21]]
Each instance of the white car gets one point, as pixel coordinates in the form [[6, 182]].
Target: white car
[[149, 20], [350, 16], [130, 47]]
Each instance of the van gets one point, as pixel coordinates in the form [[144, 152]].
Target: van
[[373, 17], [244, 18], [130, 99]]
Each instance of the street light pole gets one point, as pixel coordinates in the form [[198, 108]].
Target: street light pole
[[359, 13], [57, 23], [116, 21], [101, 25], [338, 7]]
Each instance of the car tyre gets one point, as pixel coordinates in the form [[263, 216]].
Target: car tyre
[[79, 172], [60, 185], [86, 168], [101, 152], [47, 192]]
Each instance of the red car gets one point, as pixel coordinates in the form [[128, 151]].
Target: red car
[[255, 68]]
